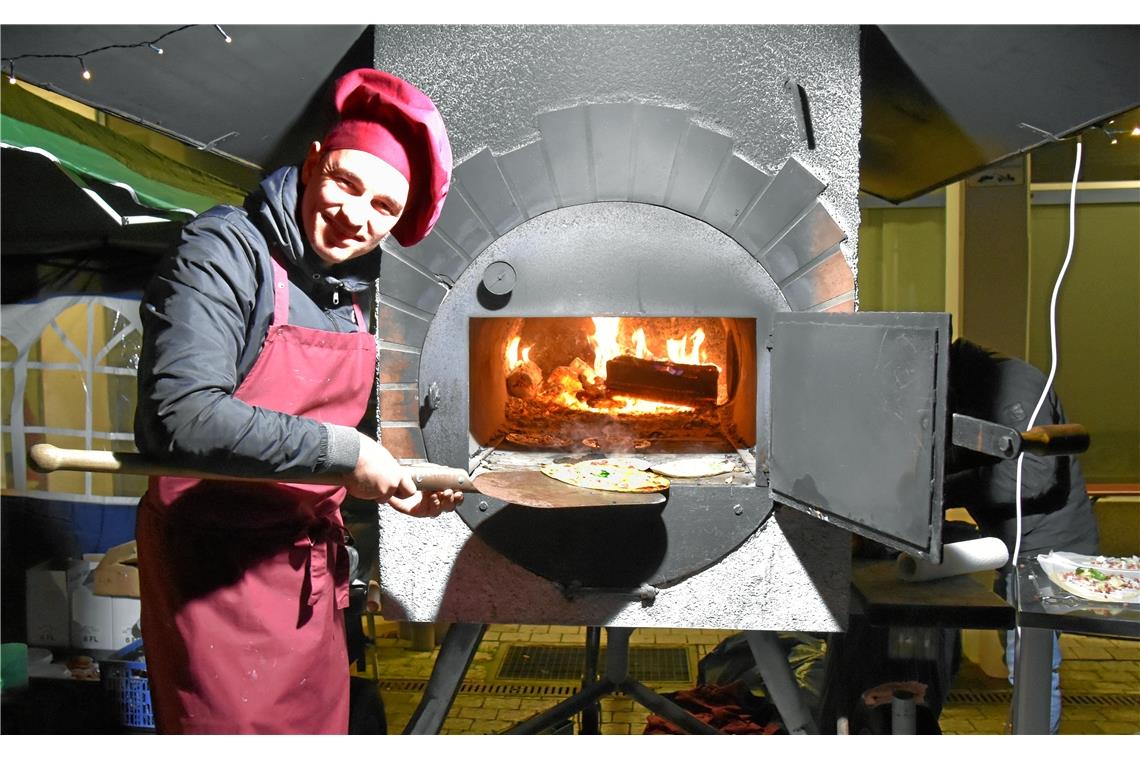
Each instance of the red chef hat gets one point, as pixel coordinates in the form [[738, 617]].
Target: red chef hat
[[383, 115]]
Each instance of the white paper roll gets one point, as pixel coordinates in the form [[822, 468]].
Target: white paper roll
[[957, 559]]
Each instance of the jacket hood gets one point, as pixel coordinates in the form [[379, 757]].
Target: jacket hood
[[275, 208]]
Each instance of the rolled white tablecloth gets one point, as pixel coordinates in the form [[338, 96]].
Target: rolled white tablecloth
[[959, 558]]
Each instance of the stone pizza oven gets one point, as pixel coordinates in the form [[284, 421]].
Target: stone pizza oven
[[657, 193]]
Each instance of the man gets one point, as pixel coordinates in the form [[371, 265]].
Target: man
[[257, 361], [1056, 511]]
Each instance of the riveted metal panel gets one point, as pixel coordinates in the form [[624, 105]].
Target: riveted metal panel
[[844, 306], [526, 172], [830, 278], [399, 404], [432, 253], [810, 237], [407, 284], [736, 187], [791, 192], [462, 226], [484, 186], [399, 366], [699, 158], [657, 133], [398, 325], [404, 441], [611, 145], [568, 154]]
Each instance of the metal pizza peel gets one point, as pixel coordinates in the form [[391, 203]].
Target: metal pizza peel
[[528, 488]]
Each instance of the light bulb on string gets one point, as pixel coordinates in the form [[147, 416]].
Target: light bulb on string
[[86, 73], [1135, 132], [11, 72], [155, 48], [222, 32], [1114, 141]]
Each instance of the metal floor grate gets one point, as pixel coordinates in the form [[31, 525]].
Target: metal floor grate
[[417, 685], [565, 663], [1004, 697]]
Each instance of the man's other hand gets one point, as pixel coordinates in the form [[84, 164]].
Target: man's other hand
[[427, 503]]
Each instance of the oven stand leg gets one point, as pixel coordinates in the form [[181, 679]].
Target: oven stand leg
[[779, 682], [592, 713], [455, 655], [615, 680]]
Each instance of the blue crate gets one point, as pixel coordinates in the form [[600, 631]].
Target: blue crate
[[127, 687]]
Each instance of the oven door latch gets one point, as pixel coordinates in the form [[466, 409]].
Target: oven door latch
[[1006, 443]]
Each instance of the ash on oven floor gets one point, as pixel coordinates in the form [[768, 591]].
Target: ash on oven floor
[[566, 663]]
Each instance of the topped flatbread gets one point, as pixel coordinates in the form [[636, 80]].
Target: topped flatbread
[[1102, 579], [544, 441], [605, 475], [693, 467]]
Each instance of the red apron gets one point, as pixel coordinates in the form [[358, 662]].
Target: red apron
[[243, 583]]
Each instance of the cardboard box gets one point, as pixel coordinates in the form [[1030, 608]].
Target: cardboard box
[[48, 615], [125, 614], [91, 621], [118, 572]]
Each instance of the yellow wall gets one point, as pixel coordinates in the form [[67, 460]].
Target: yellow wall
[[1098, 327], [902, 268], [902, 259]]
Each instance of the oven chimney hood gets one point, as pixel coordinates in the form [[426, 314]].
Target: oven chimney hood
[[943, 102]]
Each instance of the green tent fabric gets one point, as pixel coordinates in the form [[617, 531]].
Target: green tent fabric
[[81, 145]]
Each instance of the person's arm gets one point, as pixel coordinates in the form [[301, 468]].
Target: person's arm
[[198, 314]]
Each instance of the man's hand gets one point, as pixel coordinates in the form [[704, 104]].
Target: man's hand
[[379, 477]]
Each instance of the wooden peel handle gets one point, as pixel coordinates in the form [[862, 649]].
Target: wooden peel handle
[[45, 457], [1056, 440]]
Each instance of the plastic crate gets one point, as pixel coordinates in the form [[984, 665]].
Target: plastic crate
[[127, 688]]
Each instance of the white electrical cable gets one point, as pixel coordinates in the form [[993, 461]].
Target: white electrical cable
[[1052, 338], [1044, 395]]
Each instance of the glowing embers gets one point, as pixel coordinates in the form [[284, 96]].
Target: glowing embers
[[620, 369], [614, 385]]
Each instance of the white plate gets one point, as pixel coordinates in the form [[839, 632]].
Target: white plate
[[1057, 564]]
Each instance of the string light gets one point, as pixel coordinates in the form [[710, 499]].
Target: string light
[[86, 72], [1135, 132]]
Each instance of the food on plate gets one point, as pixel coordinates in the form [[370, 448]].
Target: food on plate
[[1099, 578], [693, 467], [606, 475]]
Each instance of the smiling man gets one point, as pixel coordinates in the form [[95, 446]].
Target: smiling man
[[257, 361]]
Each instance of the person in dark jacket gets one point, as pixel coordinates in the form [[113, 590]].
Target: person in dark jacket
[[1056, 510], [257, 361]]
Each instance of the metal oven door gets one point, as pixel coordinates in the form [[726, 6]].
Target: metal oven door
[[858, 420]]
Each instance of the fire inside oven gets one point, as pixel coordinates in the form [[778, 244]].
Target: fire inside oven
[[614, 385]]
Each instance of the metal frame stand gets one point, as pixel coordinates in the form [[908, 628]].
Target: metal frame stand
[[455, 655], [462, 640]]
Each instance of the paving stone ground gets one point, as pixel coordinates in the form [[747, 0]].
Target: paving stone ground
[[1108, 668]]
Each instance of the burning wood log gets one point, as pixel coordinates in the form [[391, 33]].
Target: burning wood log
[[665, 381], [524, 380]]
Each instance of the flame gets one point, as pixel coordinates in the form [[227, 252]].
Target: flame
[[565, 383], [679, 352], [605, 342], [513, 359]]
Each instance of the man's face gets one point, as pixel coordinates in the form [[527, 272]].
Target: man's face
[[352, 200]]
